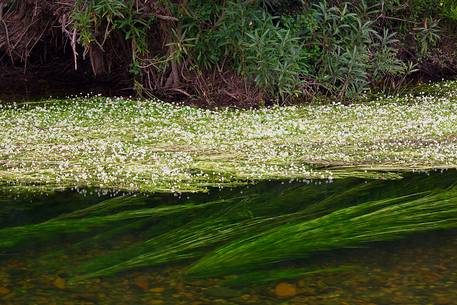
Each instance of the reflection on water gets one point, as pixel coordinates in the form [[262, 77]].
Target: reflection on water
[[234, 246]]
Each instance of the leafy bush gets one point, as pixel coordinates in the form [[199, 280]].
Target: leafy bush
[[282, 46], [353, 54], [257, 45]]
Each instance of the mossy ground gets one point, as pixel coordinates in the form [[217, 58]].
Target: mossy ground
[[147, 145]]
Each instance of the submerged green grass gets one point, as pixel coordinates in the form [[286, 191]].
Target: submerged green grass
[[151, 146], [245, 231], [349, 227]]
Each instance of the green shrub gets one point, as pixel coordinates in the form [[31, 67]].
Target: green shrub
[[342, 48], [449, 9], [353, 54], [275, 57], [257, 45]]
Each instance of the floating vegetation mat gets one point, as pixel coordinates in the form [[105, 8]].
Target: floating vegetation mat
[[245, 233], [149, 146]]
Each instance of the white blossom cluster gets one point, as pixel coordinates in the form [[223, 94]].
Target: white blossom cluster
[[147, 145]]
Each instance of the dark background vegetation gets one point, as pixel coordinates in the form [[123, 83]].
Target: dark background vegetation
[[243, 53]]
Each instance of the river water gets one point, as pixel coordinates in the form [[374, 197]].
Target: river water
[[104, 247]]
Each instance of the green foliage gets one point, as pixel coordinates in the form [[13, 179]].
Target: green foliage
[[385, 60], [449, 9], [428, 36], [134, 28], [275, 58], [91, 18], [263, 48], [353, 54], [343, 48], [82, 22]]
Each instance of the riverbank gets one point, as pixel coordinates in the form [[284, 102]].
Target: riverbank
[[152, 146]]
